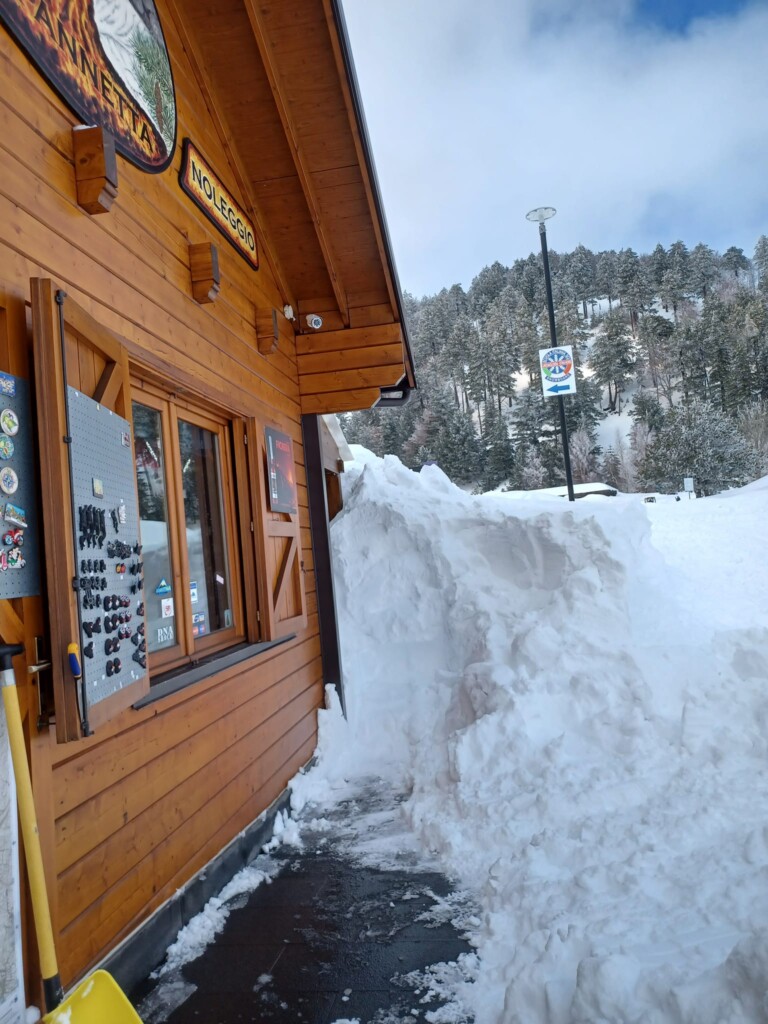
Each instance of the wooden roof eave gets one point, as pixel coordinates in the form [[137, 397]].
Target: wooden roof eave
[[273, 74], [348, 77]]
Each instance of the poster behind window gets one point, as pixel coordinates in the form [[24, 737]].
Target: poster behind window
[[281, 470]]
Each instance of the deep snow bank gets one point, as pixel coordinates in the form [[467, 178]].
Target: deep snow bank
[[581, 748]]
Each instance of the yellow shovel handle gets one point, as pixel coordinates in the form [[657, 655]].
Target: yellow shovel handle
[[29, 831]]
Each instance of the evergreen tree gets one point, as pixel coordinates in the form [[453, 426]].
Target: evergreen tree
[[647, 409], [634, 290], [498, 460], [487, 286], [761, 263], [503, 349], [455, 358], [612, 357], [734, 260], [702, 270], [581, 271], [606, 275], [658, 264], [610, 468], [701, 442]]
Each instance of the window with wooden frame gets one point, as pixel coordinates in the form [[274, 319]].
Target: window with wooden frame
[[193, 580]]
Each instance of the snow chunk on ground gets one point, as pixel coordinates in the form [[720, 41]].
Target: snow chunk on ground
[[583, 724]]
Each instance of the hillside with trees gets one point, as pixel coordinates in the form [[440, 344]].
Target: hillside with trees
[[676, 338]]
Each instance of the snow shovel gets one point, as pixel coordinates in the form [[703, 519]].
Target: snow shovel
[[98, 998]]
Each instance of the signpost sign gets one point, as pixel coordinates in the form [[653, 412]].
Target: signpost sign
[[558, 374]]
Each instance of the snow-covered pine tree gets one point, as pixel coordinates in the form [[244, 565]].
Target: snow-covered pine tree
[[498, 456], [734, 261], [702, 270], [701, 442], [612, 357], [658, 263], [582, 266]]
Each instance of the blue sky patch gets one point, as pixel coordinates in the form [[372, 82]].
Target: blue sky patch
[[676, 15]]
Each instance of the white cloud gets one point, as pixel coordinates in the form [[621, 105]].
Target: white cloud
[[478, 112]]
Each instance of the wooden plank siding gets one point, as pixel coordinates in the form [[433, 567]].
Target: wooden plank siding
[[131, 813]]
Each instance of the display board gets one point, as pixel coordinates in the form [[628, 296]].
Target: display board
[[19, 536], [110, 578]]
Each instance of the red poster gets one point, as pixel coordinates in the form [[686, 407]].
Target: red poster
[[281, 471]]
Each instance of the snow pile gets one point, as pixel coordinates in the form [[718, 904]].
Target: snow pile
[[584, 730]]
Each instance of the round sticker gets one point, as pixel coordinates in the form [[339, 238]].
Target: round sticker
[[8, 480], [6, 447], [9, 422]]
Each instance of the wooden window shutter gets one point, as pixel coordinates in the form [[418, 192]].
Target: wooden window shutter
[[97, 365], [277, 536]]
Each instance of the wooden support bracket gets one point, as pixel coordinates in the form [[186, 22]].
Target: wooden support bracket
[[95, 168], [204, 268], [267, 332]]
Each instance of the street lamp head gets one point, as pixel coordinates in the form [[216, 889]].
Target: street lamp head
[[541, 213]]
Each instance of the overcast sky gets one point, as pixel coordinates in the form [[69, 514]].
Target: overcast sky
[[639, 120]]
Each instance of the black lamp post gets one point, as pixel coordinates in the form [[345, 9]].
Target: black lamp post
[[539, 215]]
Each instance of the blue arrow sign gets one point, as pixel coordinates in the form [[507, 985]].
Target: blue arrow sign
[[560, 387]]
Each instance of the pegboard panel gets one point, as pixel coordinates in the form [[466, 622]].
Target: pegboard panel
[[106, 515], [19, 535]]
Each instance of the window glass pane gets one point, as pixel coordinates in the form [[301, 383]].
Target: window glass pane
[[153, 515], [209, 583]]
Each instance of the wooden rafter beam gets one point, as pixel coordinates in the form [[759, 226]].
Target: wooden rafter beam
[[238, 170], [261, 34]]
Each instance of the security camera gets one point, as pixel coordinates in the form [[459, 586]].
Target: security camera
[[288, 312], [314, 321]]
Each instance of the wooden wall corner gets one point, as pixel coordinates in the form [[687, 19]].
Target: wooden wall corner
[[204, 270], [95, 168]]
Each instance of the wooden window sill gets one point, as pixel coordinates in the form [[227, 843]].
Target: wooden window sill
[[178, 679]]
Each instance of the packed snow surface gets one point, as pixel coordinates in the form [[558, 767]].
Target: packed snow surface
[[576, 697]]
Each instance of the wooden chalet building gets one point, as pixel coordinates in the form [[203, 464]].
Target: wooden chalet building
[[194, 268]]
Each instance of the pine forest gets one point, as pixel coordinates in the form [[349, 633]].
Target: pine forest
[[671, 354]]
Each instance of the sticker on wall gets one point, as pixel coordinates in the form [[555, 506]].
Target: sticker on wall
[[109, 62], [16, 559], [167, 607], [6, 447], [9, 481], [15, 514], [193, 591], [7, 382], [164, 634], [163, 587], [9, 422]]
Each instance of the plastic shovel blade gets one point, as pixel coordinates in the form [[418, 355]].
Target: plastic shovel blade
[[98, 999]]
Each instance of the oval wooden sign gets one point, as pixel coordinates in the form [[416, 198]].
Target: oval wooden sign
[[108, 61]]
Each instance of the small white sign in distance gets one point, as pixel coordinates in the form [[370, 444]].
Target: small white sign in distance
[[558, 374]]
